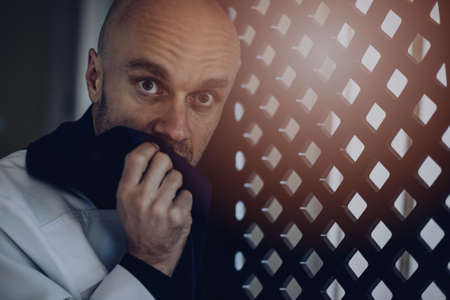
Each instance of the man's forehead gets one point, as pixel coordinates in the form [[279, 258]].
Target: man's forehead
[[127, 10], [180, 23]]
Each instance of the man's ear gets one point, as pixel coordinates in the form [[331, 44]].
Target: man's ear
[[94, 76]]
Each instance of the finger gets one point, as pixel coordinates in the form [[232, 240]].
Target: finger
[[168, 189], [180, 211], [136, 163], [159, 166], [183, 201]]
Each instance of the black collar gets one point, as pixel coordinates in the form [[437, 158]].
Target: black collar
[[72, 157]]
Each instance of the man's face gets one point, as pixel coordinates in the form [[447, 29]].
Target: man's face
[[167, 75]]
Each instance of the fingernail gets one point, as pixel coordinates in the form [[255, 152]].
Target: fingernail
[[157, 146]]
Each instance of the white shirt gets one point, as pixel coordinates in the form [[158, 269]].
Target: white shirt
[[58, 245]]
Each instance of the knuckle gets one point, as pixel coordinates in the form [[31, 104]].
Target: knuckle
[[164, 159], [187, 195], [158, 210], [176, 217], [123, 191], [176, 176], [135, 158]]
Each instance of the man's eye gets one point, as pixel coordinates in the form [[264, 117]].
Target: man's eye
[[205, 99], [148, 86]]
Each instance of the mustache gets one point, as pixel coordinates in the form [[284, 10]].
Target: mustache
[[182, 148]]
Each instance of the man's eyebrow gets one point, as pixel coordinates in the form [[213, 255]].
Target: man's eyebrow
[[215, 83], [154, 68]]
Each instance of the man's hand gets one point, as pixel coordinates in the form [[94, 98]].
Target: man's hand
[[156, 222]]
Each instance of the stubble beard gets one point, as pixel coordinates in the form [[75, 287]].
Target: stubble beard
[[103, 122]]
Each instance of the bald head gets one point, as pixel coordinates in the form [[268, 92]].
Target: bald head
[[122, 11], [164, 67]]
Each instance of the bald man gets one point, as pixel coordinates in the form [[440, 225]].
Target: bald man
[[106, 207]]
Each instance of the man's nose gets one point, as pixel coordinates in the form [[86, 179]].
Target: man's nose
[[174, 122]]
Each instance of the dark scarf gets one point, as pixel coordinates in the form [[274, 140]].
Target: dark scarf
[[73, 158]]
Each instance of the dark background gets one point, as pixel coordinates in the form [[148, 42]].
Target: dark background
[[39, 48]]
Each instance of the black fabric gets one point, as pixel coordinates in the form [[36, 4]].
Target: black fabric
[[150, 277], [73, 158]]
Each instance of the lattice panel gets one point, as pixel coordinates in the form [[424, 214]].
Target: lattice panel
[[340, 145]]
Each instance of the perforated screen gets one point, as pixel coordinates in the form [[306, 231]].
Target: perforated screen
[[336, 174]]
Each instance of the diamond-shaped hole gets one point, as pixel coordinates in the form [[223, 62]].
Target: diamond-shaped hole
[[309, 100], [311, 154], [291, 235], [270, 107], [419, 48], [363, 5], [331, 124], [447, 202], [288, 76], [326, 69], [248, 36], [371, 58], [254, 235], [321, 14], [267, 56], [356, 207], [375, 116], [252, 84], [434, 13], [441, 75], [379, 175], [381, 292], [334, 236], [238, 111], [283, 24], [272, 209], [397, 83], [290, 288], [351, 91], [404, 204], [262, 6], [239, 160], [335, 291], [312, 263], [232, 13], [252, 287], [254, 134], [305, 46], [346, 35], [357, 264], [354, 148], [271, 157], [425, 109], [333, 179], [433, 292], [291, 182], [432, 234], [381, 235], [391, 23], [429, 171], [254, 184], [239, 211], [290, 130], [272, 262], [312, 208], [406, 265], [446, 138], [401, 143], [239, 261]]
